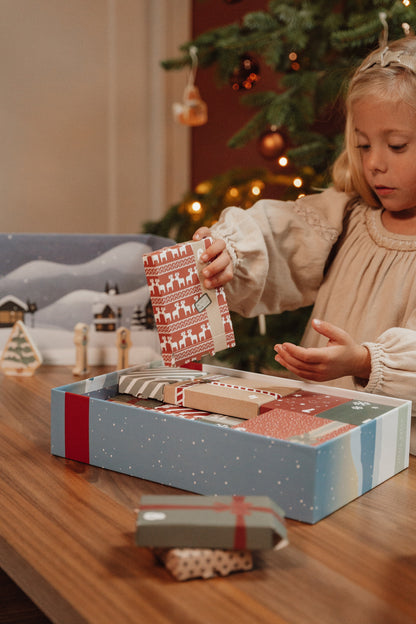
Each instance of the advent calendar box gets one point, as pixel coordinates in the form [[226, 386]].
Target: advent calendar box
[[319, 448]]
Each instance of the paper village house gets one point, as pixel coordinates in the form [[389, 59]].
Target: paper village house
[[12, 310], [105, 318]]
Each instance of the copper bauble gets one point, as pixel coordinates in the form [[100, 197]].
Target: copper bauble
[[272, 144]]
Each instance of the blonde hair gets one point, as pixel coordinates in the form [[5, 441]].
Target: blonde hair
[[393, 81]]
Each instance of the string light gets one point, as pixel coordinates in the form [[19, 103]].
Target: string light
[[283, 161], [406, 3], [233, 192], [204, 187], [196, 207], [257, 187], [297, 182]]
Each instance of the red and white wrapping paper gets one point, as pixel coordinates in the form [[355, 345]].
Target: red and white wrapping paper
[[189, 563], [191, 320]]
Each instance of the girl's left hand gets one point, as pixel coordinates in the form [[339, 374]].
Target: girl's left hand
[[341, 356]]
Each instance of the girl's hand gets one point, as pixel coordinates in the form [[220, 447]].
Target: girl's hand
[[341, 356], [219, 271]]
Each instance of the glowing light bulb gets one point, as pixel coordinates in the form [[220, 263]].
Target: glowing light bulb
[[233, 192], [196, 207], [255, 190], [283, 161], [297, 182], [406, 3]]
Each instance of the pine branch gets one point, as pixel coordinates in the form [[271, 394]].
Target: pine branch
[[252, 129]]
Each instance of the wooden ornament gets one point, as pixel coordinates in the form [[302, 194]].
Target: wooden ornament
[[123, 342], [193, 111], [20, 355], [81, 349]]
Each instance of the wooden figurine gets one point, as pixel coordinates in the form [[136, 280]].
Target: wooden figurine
[[81, 345], [123, 346], [20, 355]]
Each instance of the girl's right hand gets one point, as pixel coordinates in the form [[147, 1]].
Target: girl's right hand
[[219, 271]]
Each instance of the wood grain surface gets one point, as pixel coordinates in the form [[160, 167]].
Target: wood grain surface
[[67, 540]]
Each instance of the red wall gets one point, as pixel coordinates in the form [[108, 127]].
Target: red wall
[[226, 115]]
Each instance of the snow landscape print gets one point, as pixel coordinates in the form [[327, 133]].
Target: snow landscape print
[[53, 281]]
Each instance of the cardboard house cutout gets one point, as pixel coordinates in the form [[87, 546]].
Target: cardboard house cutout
[[51, 282]]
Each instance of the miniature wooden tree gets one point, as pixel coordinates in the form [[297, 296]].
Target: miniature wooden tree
[[20, 355]]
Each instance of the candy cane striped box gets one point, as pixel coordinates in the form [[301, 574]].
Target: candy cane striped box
[[191, 320]]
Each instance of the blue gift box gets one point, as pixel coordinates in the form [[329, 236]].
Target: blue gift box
[[308, 476]]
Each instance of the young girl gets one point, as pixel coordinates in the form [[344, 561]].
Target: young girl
[[350, 250]]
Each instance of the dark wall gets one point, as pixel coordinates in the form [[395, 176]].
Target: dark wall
[[226, 115]]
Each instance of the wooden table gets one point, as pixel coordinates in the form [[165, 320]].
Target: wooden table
[[67, 541]]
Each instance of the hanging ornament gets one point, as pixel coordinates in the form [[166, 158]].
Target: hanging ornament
[[246, 75], [294, 62], [193, 110], [272, 144]]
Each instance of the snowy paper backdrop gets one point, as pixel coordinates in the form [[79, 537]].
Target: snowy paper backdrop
[[53, 281]]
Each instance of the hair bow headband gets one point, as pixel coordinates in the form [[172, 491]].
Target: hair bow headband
[[386, 57]]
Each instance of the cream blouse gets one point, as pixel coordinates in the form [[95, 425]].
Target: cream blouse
[[359, 276]]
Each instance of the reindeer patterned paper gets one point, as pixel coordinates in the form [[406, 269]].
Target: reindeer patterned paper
[[191, 320]]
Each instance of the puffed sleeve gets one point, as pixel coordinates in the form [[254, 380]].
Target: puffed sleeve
[[393, 368], [279, 250], [393, 363]]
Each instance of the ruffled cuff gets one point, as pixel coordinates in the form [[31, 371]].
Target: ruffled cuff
[[230, 246], [375, 381]]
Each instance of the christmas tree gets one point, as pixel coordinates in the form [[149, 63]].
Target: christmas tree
[[312, 47]]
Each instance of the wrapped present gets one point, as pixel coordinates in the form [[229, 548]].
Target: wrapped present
[[296, 427], [175, 410], [191, 320], [219, 394], [226, 522], [189, 563], [226, 395], [150, 383]]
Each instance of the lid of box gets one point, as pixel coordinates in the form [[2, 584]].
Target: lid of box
[[230, 522]]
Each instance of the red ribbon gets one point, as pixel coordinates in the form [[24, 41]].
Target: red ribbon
[[238, 506], [77, 427]]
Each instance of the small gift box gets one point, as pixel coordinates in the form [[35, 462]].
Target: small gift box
[[226, 395], [191, 320], [150, 383], [189, 563], [224, 522]]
